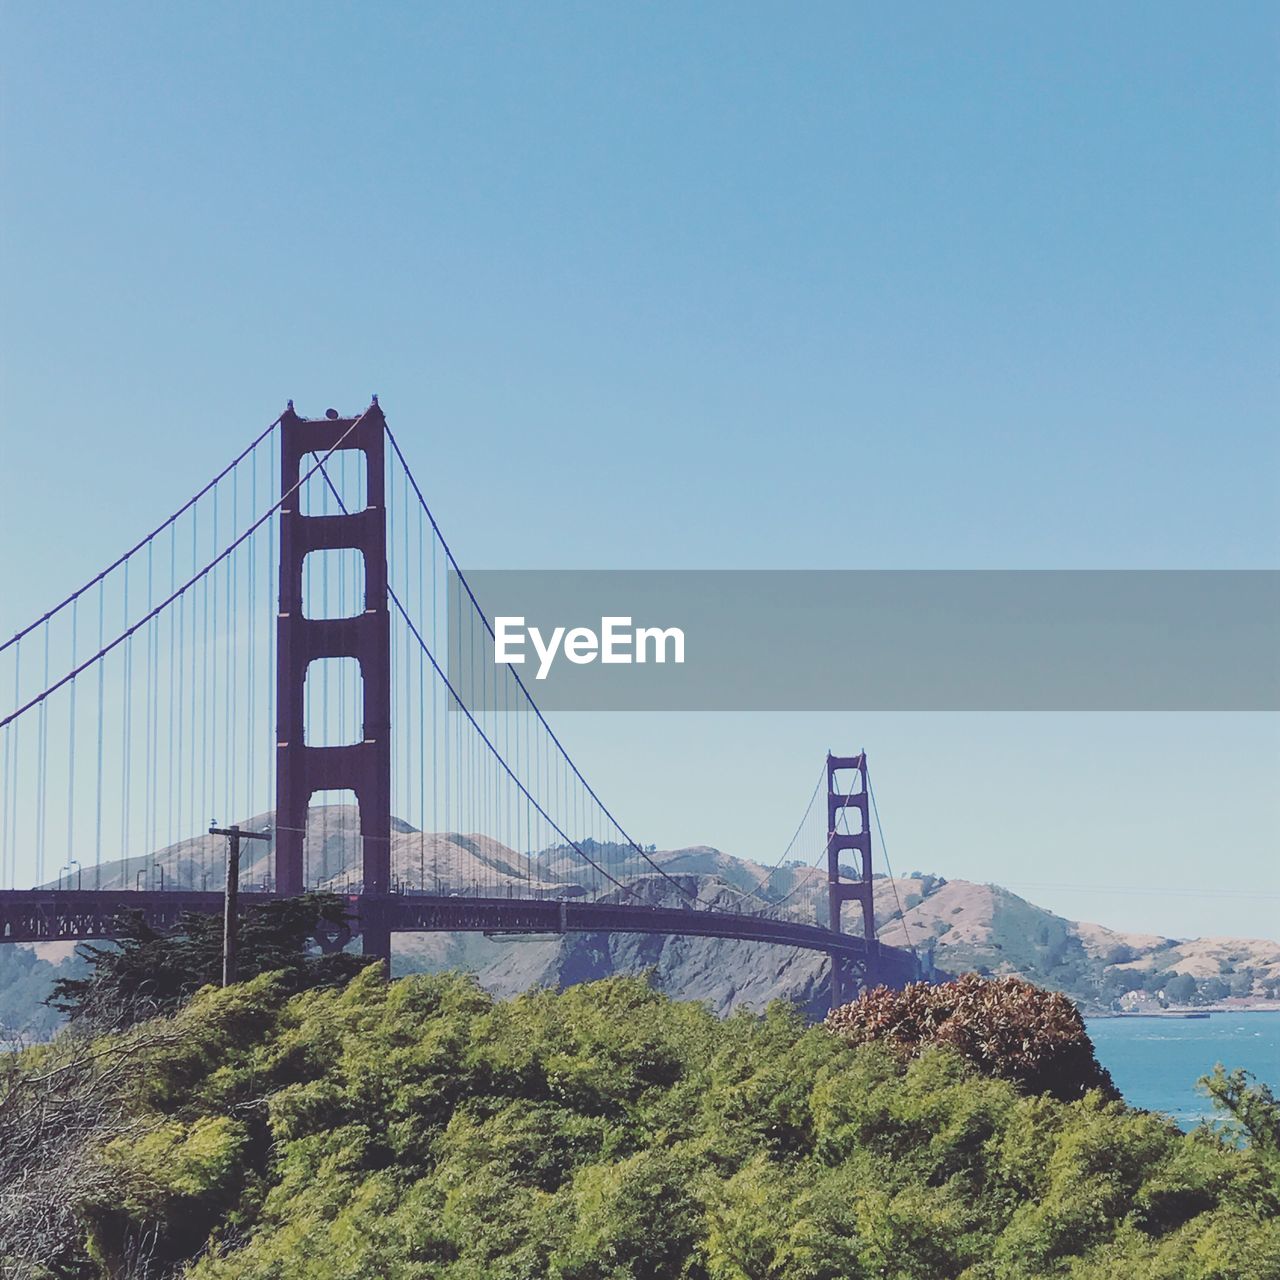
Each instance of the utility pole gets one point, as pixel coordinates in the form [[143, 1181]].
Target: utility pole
[[229, 909]]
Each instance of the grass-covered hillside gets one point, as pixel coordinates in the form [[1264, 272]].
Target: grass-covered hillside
[[419, 1129]]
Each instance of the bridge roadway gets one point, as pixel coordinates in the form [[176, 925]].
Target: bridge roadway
[[62, 915]]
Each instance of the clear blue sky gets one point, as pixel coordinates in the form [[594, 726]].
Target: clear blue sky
[[718, 285]]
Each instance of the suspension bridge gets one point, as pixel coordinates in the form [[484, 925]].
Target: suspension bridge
[[273, 654]]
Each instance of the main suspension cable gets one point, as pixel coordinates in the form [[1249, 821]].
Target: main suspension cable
[[186, 586], [884, 852], [466, 711], [777, 866], [515, 675], [160, 528]]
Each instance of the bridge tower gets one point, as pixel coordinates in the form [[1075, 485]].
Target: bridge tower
[[363, 767], [839, 891]]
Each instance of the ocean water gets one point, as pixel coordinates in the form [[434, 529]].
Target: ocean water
[[1156, 1062]]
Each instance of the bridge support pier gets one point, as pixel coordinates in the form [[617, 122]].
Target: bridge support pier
[[846, 978], [375, 931]]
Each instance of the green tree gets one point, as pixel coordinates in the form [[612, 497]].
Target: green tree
[[420, 1130], [1213, 990], [1251, 1111], [145, 972]]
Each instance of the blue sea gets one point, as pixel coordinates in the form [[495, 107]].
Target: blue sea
[[1156, 1062]]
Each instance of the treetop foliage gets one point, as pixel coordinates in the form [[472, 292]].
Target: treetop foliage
[[419, 1130], [145, 972], [1006, 1027]]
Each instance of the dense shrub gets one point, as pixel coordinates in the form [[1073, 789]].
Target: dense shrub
[[419, 1130], [1004, 1026]]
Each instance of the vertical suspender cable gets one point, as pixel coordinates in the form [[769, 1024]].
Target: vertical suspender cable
[[233, 681], [183, 694], [97, 808], [316, 711], [406, 794], [503, 818], [42, 768], [126, 774], [7, 876], [476, 764], [148, 774], [71, 729], [196, 693], [17, 747], [9, 860], [422, 719], [273, 610], [250, 652], [205, 731], [447, 753], [153, 728], [171, 664]]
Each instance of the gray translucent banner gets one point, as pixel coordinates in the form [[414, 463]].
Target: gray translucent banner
[[866, 640]]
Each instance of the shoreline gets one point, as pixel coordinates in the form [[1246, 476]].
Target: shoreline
[[1186, 1013]]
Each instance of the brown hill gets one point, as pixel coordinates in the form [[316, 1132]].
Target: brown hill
[[966, 926]]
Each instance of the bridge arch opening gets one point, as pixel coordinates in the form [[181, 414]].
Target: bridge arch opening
[[333, 583], [333, 703], [333, 847], [339, 487], [846, 781]]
